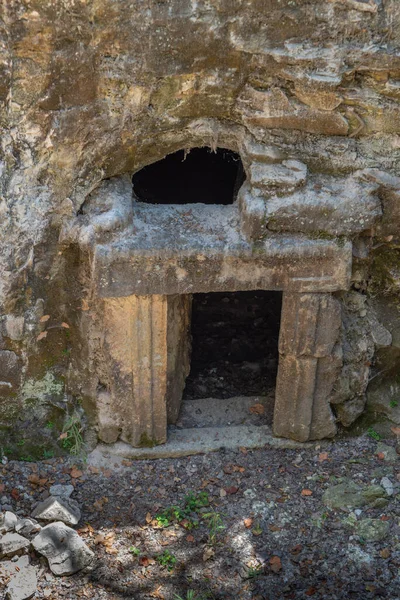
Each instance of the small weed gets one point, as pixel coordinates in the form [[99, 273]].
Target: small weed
[[193, 503], [257, 529], [135, 551], [215, 526], [190, 595], [373, 434], [49, 425], [72, 439], [21, 443], [166, 559], [163, 519], [48, 454], [393, 403], [255, 572]]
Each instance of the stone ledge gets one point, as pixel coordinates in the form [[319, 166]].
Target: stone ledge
[[182, 250]]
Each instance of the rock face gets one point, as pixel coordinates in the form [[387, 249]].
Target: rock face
[[305, 92], [66, 552]]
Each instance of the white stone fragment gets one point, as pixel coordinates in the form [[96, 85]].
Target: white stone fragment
[[23, 584], [66, 552], [387, 486], [58, 509], [8, 521], [12, 543]]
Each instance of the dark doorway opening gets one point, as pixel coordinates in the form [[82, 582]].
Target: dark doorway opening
[[200, 175], [234, 344]]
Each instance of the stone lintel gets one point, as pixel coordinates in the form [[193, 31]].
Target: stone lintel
[[308, 366], [291, 263]]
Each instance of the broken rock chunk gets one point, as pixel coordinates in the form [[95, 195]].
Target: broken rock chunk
[[27, 527], [8, 521], [66, 552], [58, 509], [23, 584], [13, 543]]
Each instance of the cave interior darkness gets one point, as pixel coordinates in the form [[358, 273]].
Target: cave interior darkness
[[200, 175], [234, 344]]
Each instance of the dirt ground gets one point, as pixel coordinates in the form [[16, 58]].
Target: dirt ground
[[245, 524]]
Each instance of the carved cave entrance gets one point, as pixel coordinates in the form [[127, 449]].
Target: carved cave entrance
[[186, 249]]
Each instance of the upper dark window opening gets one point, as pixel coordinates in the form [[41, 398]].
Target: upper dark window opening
[[200, 175]]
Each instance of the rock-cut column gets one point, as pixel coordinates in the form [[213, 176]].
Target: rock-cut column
[[309, 363], [146, 347]]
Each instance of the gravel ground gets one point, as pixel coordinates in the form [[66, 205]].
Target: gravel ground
[[246, 524]]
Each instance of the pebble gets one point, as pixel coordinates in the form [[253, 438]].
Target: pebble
[[387, 485], [62, 491]]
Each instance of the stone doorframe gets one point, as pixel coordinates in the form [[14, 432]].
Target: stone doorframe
[[147, 341]]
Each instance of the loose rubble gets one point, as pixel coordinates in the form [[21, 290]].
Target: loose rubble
[[64, 549], [319, 522]]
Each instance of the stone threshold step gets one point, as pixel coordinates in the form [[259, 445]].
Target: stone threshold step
[[217, 412], [186, 442]]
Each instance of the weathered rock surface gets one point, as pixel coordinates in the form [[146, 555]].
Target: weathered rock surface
[[372, 530], [66, 552], [387, 452], [58, 509], [349, 495], [90, 95], [13, 543]]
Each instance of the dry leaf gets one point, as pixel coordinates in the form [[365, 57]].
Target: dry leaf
[[396, 430], [306, 492], [296, 549], [381, 455], [257, 409], [41, 336], [243, 450], [311, 591], [275, 564], [323, 456], [65, 325], [231, 490], [63, 436], [44, 318], [85, 305], [75, 473], [126, 463], [94, 470], [189, 538], [222, 493], [248, 523], [148, 518], [385, 553], [207, 554]]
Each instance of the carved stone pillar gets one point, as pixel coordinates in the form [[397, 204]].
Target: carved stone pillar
[[308, 366], [146, 350]]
